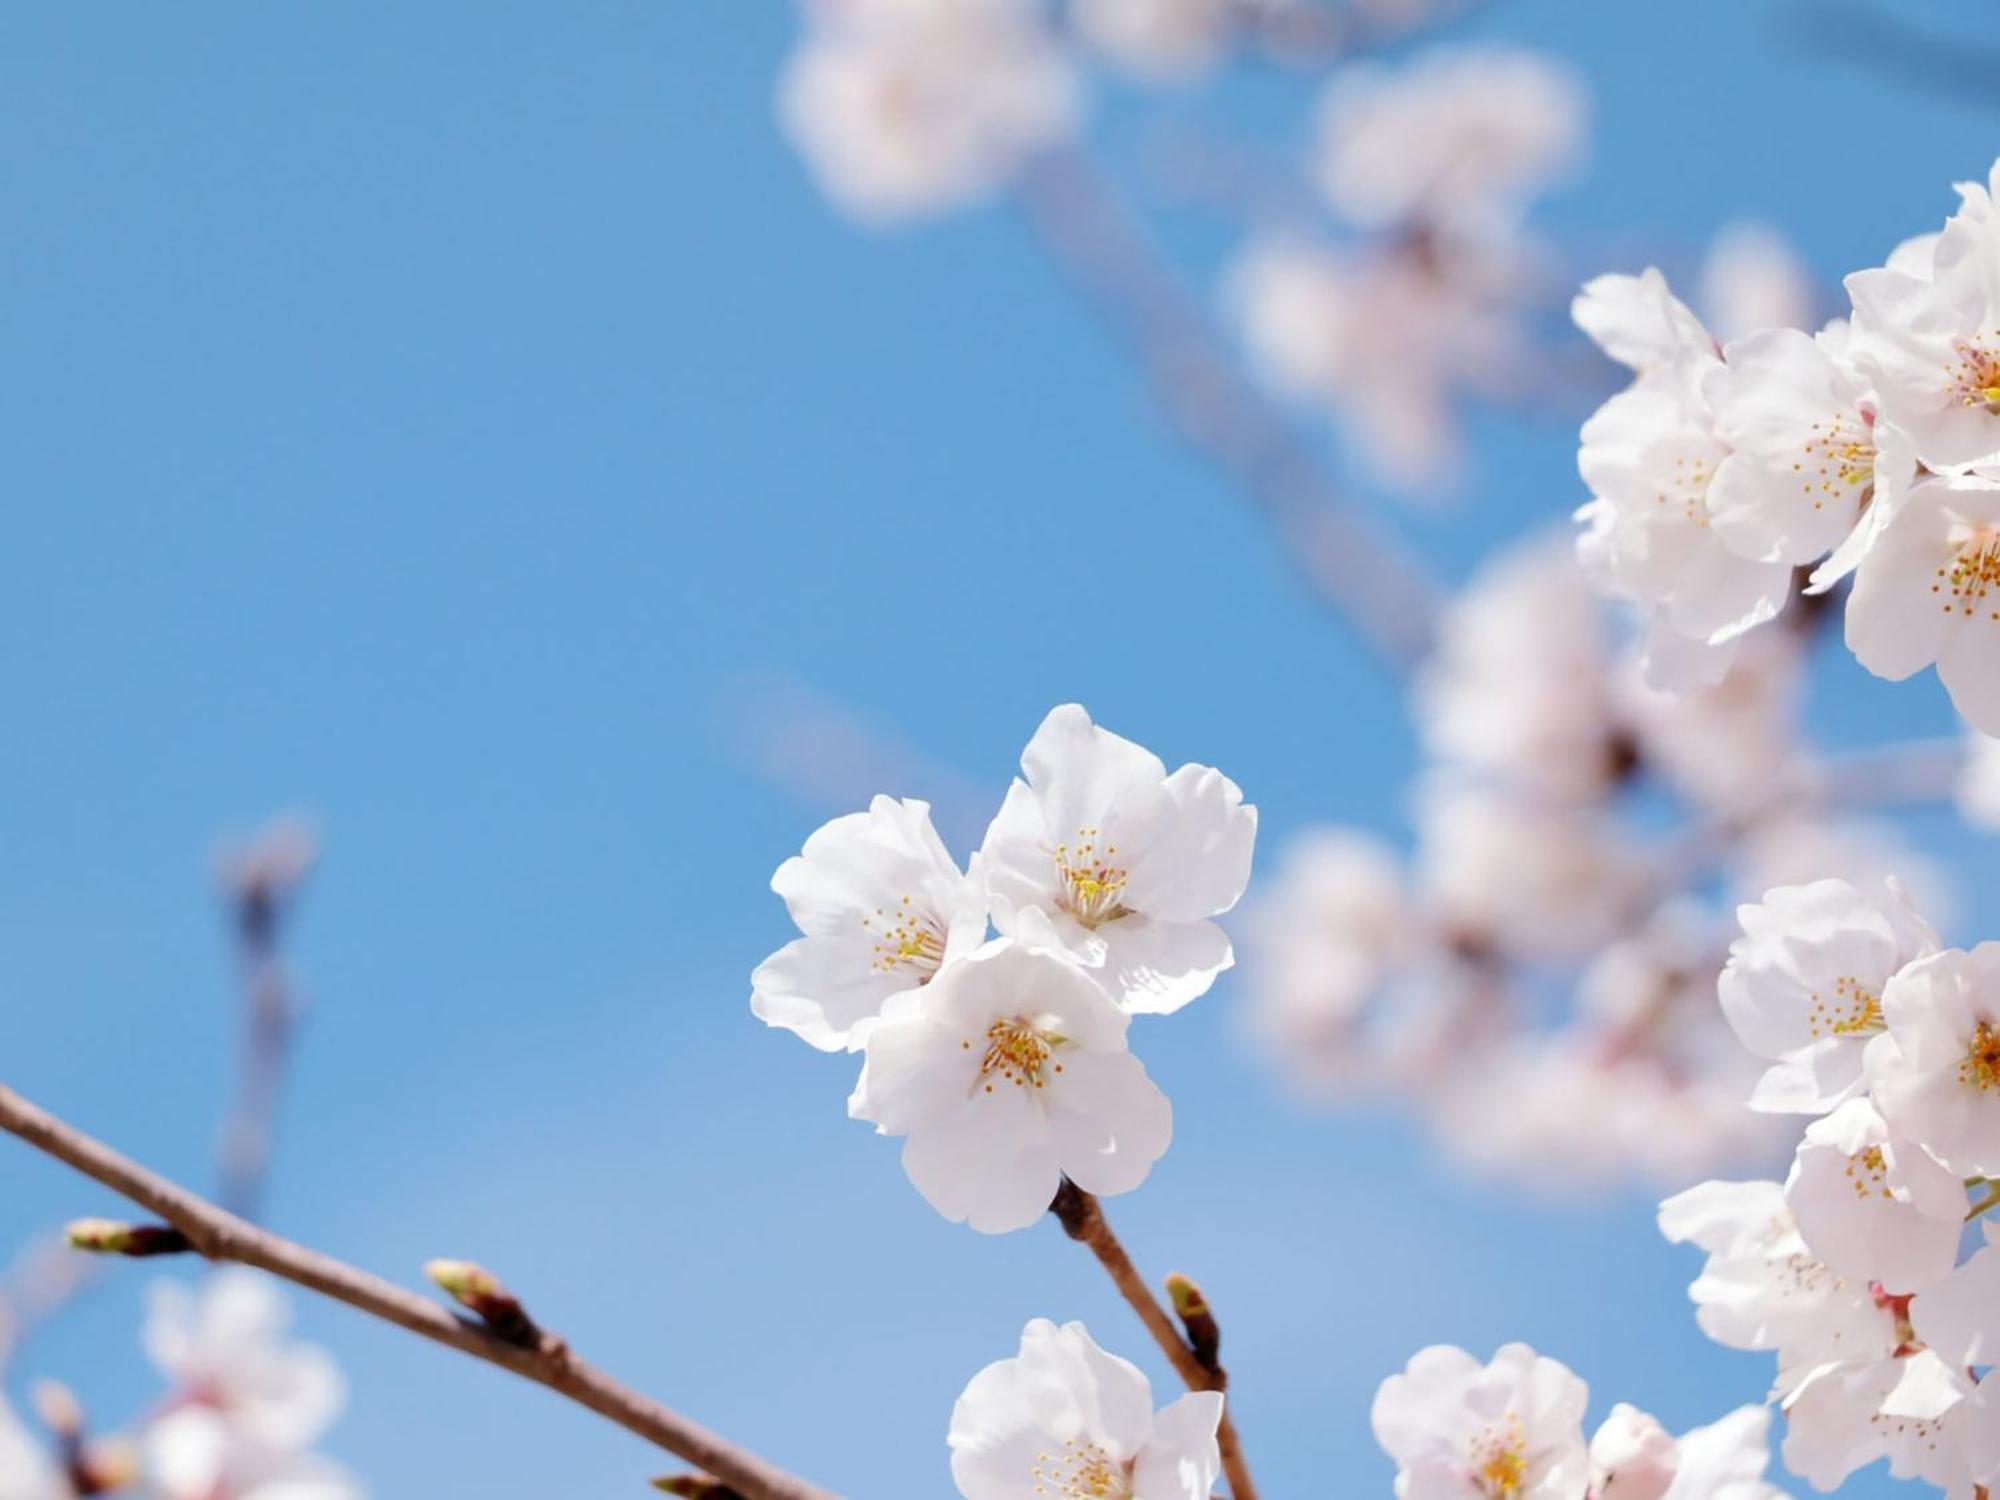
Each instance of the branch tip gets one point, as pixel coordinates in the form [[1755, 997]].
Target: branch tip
[[137, 1241], [482, 1294]]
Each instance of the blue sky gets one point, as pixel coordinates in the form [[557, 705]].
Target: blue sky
[[450, 417]]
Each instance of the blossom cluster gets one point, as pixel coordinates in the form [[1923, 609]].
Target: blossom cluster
[[1512, 1429], [1850, 1270], [243, 1409], [1004, 1063], [1869, 450], [1064, 1420], [1573, 829]]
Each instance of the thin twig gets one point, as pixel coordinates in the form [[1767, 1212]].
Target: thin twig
[[1358, 568], [220, 1235], [1082, 1219]]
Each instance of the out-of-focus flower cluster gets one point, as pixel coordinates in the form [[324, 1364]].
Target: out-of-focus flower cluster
[[1537, 975], [1850, 1269], [1004, 1064], [242, 1412], [1512, 1429]]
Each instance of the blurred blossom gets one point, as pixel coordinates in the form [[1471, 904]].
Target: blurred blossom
[[1733, 746], [1532, 881], [1796, 847], [1327, 930], [1162, 40], [246, 1403], [908, 107], [26, 1470], [1753, 279], [1459, 139], [273, 862], [1979, 783], [1385, 342], [1517, 686]]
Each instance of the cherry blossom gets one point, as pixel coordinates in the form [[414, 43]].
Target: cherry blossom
[[1650, 455], [1724, 1460], [1844, 1415], [1163, 40], [1959, 1316], [1104, 856], [1800, 428], [1930, 343], [1752, 279], [1511, 1429], [1460, 138], [1872, 1206], [905, 107], [1518, 685], [1936, 1075], [1979, 782], [1804, 985], [882, 906], [1928, 590], [1763, 1288], [1008, 1073], [1632, 1457], [26, 1470], [248, 1403], [1065, 1420]]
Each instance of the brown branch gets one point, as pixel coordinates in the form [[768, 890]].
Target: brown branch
[[1357, 567], [220, 1235], [1082, 1219]]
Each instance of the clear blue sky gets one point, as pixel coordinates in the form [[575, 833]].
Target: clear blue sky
[[446, 416]]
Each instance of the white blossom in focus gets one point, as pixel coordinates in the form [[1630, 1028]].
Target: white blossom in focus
[[1725, 1460], [1650, 455], [882, 906], [1763, 1288], [905, 107], [1927, 590], [1936, 1074], [1873, 1206], [1804, 985], [1845, 1415], [1638, 321], [1800, 426], [1632, 1457], [1104, 856], [1959, 1316], [1930, 343], [1459, 1430], [1752, 279], [1459, 138], [1007, 1073], [1064, 1418], [1518, 682]]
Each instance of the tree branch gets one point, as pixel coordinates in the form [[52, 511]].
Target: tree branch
[[1362, 571], [1082, 1219], [220, 1235]]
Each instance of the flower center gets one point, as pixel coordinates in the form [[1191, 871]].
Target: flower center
[[1972, 573], [1975, 378], [1500, 1460], [1854, 1010], [1839, 459], [1081, 1471], [1868, 1173], [1018, 1052], [1092, 886], [1980, 1067], [1687, 488], [907, 941]]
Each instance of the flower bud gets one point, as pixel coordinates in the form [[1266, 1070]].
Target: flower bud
[[481, 1293], [695, 1487], [112, 1237], [1203, 1336]]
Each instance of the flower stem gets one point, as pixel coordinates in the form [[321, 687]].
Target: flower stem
[[1082, 1219], [1990, 1199], [221, 1236]]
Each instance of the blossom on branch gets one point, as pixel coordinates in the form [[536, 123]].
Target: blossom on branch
[[1064, 1420]]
